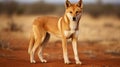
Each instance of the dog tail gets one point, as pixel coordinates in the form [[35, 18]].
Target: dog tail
[[31, 43]]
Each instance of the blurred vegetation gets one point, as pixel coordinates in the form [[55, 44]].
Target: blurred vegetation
[[41, 7], [14, 27], [13, 7], [102, 9], [4, 44], [10, 8]]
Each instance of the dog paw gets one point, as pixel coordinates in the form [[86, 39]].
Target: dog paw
[[78, 62], [33, 61], [44, 61], [67, 62]]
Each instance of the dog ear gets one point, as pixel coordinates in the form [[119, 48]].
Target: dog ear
[[80, 4], [67, 4]]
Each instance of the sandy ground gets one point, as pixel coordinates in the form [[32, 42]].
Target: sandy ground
[[91, 54]]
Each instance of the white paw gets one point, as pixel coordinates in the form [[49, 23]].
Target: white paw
[[44, 61], [67, 62], [33, 61], [78, 62]]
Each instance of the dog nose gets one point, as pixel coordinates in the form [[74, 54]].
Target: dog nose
[[74, 19]]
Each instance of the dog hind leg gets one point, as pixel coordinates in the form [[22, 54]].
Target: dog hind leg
[[39, 35], [31, 43], [41, 48]]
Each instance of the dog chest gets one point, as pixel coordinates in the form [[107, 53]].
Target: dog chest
[[73, 26], [71, 32]]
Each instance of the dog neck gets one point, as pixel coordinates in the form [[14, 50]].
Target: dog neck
[[67, 27], [73, 25]]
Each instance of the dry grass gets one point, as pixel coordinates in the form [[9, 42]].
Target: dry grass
[[4, 44], [103, 28]]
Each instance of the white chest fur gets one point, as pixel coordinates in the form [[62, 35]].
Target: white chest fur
[[73, 25], [69, 33], [72, 30]]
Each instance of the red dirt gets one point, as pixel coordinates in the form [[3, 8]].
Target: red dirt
[[91, 55]]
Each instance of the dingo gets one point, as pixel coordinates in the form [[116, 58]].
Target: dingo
[[66, 27]]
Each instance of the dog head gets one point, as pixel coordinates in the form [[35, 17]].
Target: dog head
[[73, 11]]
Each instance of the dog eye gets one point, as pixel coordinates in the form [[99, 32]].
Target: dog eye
[[70, 11]]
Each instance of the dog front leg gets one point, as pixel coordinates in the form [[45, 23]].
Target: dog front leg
[[65, 54], [74, 44]]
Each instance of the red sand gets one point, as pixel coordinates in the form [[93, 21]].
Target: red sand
[[91, 55]]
